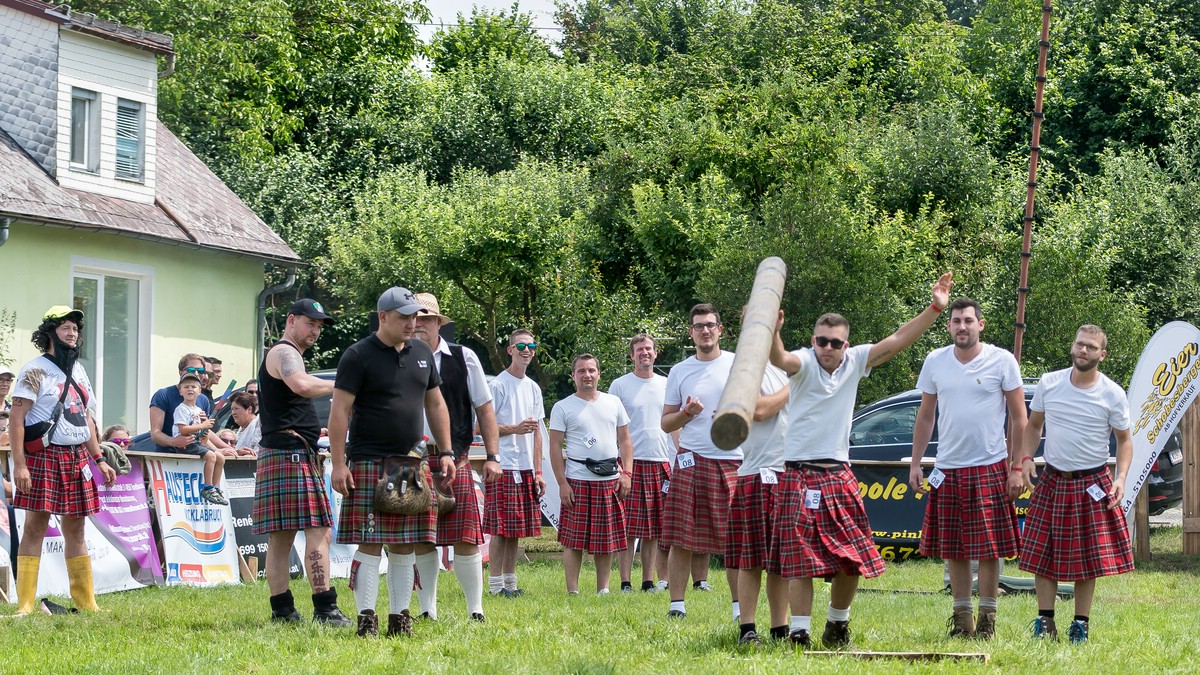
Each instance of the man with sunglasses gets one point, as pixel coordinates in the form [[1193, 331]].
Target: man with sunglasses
[[821, 527], [166, 400], [513, 497], [966, 388], [696, 516]]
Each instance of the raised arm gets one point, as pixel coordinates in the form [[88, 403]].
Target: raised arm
[[286, 364], [781, 357], [768, 406], [885, 349]]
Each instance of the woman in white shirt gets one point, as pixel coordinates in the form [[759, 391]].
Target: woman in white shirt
[[245, 414]]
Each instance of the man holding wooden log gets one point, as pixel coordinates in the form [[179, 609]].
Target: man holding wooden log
[[821, 527]]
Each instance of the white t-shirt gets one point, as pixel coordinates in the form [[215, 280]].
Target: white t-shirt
[[1079, 421], [821, 406], [516, 400], [643, 401], [970, 403], [251, 436], [41, 381], [590, 430], [703, 380], [477, 385], [763, 448], [186, 415]]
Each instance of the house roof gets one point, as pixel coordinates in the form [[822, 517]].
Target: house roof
[[158, 43], [192, 207]]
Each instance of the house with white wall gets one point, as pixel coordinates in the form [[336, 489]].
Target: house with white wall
[[104, 209]]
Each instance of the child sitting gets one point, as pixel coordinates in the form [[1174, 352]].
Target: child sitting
[[190, 419]]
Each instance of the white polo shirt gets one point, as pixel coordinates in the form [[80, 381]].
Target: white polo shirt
[[1079, 421], [821, 406]]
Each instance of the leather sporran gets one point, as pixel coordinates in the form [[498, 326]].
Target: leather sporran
[[402, 488], [445, 500]]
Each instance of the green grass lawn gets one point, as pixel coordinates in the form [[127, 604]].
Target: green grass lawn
[[1143, 622]]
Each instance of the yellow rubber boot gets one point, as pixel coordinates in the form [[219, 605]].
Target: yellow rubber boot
[[27, 576], [79, 571]]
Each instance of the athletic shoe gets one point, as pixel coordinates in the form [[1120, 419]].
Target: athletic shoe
[[332, 618], [800, 638], [663, 585], [1043, 627], [515, 593], [287, 617], [985, 625], [676, 614], [836, 635], [647, 587], [603, 591], [572, 594], [626, 587], [1077, 632], [476, 616], [400, 624], [962, 623], [750, 639], [702, 585], [212, 495], [368, 623]]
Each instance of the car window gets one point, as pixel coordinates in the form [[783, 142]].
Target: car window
[[887, 426]]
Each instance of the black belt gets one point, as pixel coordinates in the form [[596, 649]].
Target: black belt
[[809, 466], [1077, 474]]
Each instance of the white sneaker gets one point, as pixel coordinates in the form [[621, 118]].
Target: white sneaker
[[602, 591]]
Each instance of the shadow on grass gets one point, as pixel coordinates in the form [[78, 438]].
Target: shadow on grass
[[1172, 561], [584, 667]]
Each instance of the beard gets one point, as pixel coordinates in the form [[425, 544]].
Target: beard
[[64, 354], [1084, 364]]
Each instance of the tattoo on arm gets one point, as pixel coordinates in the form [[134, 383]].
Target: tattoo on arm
[[290, 363]]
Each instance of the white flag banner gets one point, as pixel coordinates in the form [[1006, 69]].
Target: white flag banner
[[1163, 386]]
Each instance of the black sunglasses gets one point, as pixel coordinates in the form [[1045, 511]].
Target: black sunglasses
[[823, 341]]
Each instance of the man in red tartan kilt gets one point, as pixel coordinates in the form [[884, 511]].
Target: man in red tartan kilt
[[593, 474], [468, 398], [821, 527], [642, 393], [750, 516], [1075, 529], [387, 385], [967, 387]]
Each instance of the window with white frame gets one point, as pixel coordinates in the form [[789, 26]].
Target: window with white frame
[[130, 139], [115, 333], [85, 130]]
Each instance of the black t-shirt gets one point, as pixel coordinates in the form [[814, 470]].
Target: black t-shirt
[[389, 388]]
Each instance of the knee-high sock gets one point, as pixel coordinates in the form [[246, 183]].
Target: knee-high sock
[[79, 572], [400, 577], [364, 580], [27, 577], [469, 570], [428, 567]]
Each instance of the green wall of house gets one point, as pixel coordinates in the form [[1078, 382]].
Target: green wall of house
[[198, 300]]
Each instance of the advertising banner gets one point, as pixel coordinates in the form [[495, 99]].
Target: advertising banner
[[197, 537], [6, 545], [239, 488], [1161, 389]]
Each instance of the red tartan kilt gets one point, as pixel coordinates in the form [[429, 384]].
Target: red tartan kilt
[[512, 509], [970, 516], [57, 483], [1069, 536], [696, 517], [288, 495], [836, 537], [645, 502], [596, 521], [465, 523], [361, 524], [750, 524]]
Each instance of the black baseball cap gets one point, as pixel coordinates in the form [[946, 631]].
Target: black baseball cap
[[312, 309]]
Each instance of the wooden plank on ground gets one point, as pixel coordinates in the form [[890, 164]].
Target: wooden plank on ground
[[905, 656]]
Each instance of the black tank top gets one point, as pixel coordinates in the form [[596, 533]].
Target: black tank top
[[280, 408]]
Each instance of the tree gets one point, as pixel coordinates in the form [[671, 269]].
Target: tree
[[485, 36]]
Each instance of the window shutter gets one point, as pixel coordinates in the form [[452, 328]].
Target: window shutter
[[129, 140]]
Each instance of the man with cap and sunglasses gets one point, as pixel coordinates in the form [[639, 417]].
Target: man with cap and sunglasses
[[466, 391], [387, 386], [289, 490], [53, 434]]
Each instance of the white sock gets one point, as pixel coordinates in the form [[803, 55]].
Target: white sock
[[801, 623], [469, 570], [662, 584], [495, 584], [510, 581], [988, 603], [677, 605], [364, 580], [962, 603], [400, 577], [427, 571], [737, 611], [838, 614]]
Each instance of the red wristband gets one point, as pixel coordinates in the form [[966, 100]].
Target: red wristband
[[936, 308], [1016, 469]]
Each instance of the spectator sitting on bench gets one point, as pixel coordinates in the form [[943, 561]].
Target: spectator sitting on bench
[[191, 420]]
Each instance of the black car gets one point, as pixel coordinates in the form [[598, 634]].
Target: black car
[[883, 431]]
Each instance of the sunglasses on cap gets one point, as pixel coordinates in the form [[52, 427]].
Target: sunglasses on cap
[[823, 341], [522, 346], [200, 371]]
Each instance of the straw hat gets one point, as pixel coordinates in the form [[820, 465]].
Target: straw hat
[[430, 307]]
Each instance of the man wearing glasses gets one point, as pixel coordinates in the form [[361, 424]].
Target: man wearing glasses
[[696, 516], [166, 400], [513, 498]]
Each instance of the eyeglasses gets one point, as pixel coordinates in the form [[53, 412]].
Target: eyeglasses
[[200, 371], [823, 341], [120, 441], [700, 327], [522, 346]]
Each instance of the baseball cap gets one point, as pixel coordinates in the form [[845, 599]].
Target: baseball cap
[[399, 299], [5, 370], [430, 307], [189, 376], [312, 309], [63, 312]]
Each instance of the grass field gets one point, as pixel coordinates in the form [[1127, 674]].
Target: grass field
[[1143, 622]]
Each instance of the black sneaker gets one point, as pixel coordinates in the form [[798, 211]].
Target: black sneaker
[[750, 639], [516, 592], [676, 614], [836, 635], [626, 587], [476, 616], [800, 638], [289, 617], [368, 623], [332, 618], [649, 587], [400, 624]]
